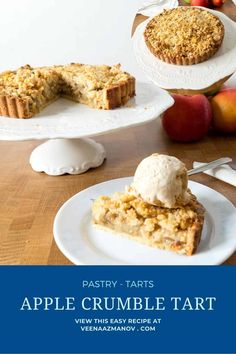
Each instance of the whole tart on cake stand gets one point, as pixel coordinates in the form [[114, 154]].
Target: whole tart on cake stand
[[206, 77], [69, 127]]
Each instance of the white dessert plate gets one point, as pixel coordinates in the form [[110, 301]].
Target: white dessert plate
[[67, 119], [198, 76], [83, 244]]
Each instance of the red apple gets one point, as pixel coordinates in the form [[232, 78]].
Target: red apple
[[189, 119], [203, 3], [224, 110], [224, 88], [217, 3]]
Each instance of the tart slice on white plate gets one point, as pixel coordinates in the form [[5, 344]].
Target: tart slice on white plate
[[157, 209]]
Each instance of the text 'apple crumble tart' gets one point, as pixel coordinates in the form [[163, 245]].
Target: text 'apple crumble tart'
[[25, 92], [184, 35], [173, 222]]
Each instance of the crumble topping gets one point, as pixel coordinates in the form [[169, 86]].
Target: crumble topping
[[94, 77], [27, 81], [189, 33]]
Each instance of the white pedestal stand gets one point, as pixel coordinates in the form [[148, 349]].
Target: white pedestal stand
[[74, 156], [69, 125]]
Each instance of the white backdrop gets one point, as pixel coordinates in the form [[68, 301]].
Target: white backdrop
[[47, 32]]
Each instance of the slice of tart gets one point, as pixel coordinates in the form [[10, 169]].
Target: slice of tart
[[177, 230], [157, 209]]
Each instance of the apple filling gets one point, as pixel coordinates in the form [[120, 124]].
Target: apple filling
[[176, 229], [88, 84]]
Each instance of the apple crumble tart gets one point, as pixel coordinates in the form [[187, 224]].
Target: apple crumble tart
[[157, 209], [177, 230], [184, 35], [25, 92]]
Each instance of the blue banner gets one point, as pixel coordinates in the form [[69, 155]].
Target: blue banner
[[117, 309]]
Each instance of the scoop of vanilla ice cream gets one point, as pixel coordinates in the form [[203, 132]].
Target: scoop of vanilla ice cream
[[161, 180]]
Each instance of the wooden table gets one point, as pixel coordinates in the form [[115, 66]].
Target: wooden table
[[29, 201]]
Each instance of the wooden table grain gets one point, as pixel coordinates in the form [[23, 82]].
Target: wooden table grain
[[29, 201]]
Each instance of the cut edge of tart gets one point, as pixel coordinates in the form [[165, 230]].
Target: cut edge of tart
[[27, 91], [98, 86], [184, 35], [172, 229]]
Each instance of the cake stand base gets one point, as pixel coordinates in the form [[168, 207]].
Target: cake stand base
[[74, 156]]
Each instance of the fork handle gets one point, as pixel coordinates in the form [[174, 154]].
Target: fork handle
[[210, 165]]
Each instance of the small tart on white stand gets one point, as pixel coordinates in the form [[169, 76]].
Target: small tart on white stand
[[205, 77]]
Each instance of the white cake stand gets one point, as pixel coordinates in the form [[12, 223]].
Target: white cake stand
[[68, 125]]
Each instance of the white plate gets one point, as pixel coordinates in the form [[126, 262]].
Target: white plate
[[67, 119], [82, 243]]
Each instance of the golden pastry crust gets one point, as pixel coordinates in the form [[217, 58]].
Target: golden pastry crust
[[176, 229], [184, 35], [25, 92]]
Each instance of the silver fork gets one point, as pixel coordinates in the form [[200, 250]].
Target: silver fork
[[213, 164], [232, 165]]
